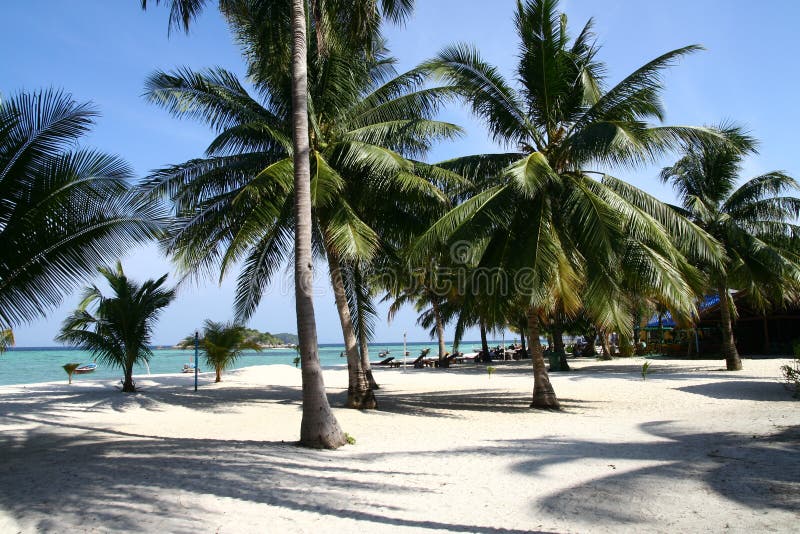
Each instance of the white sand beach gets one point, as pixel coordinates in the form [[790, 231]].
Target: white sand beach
[[691, 449]]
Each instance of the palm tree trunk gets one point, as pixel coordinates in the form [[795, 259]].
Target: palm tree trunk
[[437, 315], [219, 374], [484, 342], [729, 352], [543, 394], [318, 427], [364, 351], [127, 383], [606, 355], [558, 339], [363, 340], [359, 394], [522, 328]]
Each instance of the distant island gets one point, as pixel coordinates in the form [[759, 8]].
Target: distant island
[[265, 339]]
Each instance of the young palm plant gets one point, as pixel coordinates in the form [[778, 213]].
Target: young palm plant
[[223, 343], [117, 329], [559, 237], [755, 223], [235, 205], [63, 210]]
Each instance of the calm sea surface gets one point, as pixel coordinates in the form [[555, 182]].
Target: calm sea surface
[[31, 365]]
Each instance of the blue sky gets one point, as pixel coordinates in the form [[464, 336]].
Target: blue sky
[[102, 51]]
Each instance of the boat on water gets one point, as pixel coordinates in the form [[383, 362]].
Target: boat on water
[[85, 368], [384, 353], [188, 368]]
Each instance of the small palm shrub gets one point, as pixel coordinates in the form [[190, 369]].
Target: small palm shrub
[[791, 372], [645, 370]]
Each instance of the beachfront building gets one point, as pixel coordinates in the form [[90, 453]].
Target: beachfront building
[[755, 332]]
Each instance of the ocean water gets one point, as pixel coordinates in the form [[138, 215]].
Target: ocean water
[[43, 364]]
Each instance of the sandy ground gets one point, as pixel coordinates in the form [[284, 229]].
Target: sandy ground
[[692, 448]]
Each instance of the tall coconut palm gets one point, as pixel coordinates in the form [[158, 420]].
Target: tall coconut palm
[[233, 204], [319, 427], [118, 329], [755, 222], [63, 210], [223, 343], [560, 237]]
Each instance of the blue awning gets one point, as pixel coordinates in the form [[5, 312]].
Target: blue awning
[[668, 322]]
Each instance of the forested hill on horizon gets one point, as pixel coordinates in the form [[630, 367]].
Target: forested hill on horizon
[[262, 338]]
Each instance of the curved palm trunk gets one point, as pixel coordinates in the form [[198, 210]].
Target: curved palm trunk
[[543, 394], [318, 427], [359, 394], [219, 374], [437, 315], [729, 352]]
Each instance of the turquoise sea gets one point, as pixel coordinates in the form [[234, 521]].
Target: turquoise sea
[[22, 365]]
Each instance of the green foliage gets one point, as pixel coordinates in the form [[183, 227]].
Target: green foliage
[[64, 209], [645, 370], [490, 370], [296, 361], [223, 343], [350, 439], [791, 371], [117, 329], [289, 339], [234, 207], [791, 375], [6, 339], [262, 338], [564, 239], [755, 222], [253, 336]]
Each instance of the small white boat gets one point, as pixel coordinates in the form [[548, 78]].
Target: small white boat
[[188, 368], [86, 368]]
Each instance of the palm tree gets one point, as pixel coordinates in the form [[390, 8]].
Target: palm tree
[[63, 210], [754, 222], [427, 288], [319, 427], [559, 237], [233, 205], [117, 329], [223, 343]]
